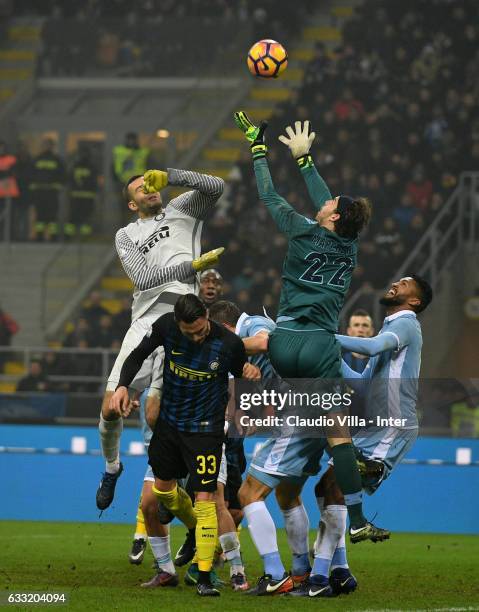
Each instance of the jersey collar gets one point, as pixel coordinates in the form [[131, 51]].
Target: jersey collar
[[400, 313], [240, 322]]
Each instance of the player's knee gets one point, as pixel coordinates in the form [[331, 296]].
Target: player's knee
[[251, 491], [149, 506], [286, 501], [324, 482], [106, 412], [237, 515]]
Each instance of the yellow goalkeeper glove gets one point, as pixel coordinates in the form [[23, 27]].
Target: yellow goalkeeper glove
[[207, 260], [253, 134], [155, 180]]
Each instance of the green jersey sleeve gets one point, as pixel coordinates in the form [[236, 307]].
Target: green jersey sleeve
[[317, 188], [286, 218]]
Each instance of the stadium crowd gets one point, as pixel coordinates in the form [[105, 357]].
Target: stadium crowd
[[147, 38], [403, 147]]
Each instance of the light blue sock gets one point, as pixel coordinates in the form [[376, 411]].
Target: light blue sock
[[339, 558], [273, 565], [301, 564], [321, 567]]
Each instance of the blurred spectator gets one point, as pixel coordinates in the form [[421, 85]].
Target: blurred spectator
[[35, 381], [83, 183], [54, 364], [84, 364], [104, 334], [129, 159], [122, 319], [93, 311], [420, 189], [23, 173], [47, 181], [9, 191], [82, 331], [8, 328]]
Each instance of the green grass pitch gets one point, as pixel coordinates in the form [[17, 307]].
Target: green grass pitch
[[89, 561]]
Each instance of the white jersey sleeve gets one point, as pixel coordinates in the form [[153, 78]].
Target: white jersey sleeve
[[140, 273], [197, 203]]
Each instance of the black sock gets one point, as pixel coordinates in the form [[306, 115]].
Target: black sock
[[204, 577]]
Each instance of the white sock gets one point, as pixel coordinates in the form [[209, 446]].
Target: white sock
[[329, 535], [231, 547], [110, 434], [296, 524], [339, 557], [162, 553], [261, 527], [139, 536]]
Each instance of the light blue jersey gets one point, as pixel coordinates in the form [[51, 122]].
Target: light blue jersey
[[391, 379], [247, 327], [392, 374]]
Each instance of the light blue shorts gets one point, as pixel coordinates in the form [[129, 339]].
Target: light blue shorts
[[388, 445], [292, 458]]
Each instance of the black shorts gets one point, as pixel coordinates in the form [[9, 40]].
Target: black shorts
[[173, 454]]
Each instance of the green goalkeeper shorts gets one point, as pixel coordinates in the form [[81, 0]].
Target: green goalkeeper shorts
[[298, 352]]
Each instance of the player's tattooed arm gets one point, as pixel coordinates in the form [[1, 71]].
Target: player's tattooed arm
[[198, 203], [143, 276]]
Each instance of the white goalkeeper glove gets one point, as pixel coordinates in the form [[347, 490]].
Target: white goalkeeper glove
[[298, 140]]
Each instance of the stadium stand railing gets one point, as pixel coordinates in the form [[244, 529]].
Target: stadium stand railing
[[18, 360], [454, 226]]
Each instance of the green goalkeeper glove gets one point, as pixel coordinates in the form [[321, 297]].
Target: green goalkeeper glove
[[207, 260], [253, 134], [155, 180], [299, 142]]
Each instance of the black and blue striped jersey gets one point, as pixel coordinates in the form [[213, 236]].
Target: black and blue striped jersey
[[195, 376]]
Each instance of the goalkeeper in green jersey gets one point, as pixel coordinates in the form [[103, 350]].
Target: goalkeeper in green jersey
[[317, 270]]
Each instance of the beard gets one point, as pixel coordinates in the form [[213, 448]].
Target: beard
[[394, 300]]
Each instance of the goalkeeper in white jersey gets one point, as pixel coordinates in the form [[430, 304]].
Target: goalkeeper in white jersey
[[160, 252]]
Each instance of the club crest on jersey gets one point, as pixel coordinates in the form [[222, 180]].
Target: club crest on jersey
[[151, 241], [160, 217], [214, 365]]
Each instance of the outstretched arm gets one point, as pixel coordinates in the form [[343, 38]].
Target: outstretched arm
[[284, 215], [299, 142], [388, 341], [317, 188]]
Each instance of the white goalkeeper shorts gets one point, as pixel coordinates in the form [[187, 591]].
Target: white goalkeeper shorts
[[151, 372]]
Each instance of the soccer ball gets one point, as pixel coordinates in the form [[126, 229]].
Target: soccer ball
[[267, 59]]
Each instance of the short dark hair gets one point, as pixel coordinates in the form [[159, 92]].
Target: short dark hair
[[354, 218], [424, 293], [188, 308], [126, 189], [225, 312], [360, 312]]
